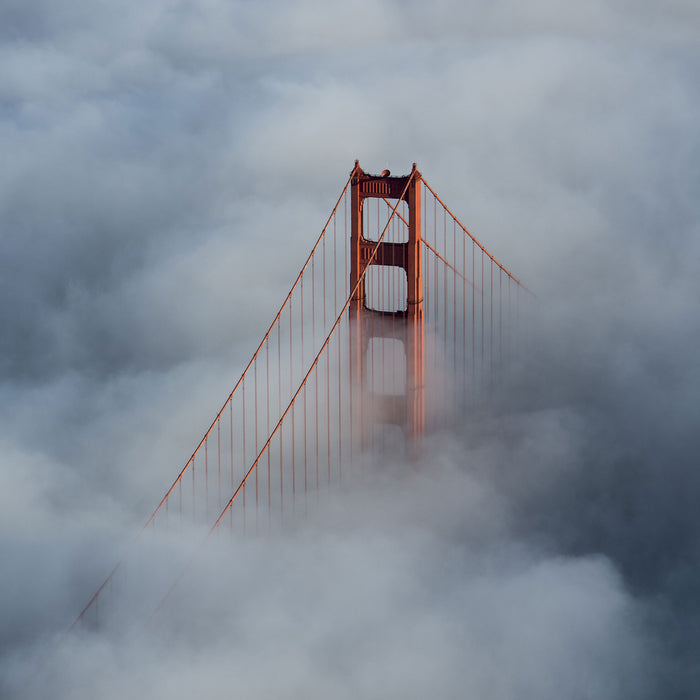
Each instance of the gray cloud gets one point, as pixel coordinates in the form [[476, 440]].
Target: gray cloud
[[152, 159]]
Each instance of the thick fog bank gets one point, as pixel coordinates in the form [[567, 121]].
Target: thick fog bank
[[164, 172]]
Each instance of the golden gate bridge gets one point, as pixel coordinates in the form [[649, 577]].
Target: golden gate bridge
[[397, 315]]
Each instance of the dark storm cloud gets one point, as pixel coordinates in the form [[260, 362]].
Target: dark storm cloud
[[152, 159]]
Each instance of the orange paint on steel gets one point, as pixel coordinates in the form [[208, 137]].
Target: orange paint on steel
[[407, 256], [206, 478], [244, 450], [255, 408], [267, 429], [218, 459]]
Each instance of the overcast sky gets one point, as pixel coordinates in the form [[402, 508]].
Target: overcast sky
[[154, 154]]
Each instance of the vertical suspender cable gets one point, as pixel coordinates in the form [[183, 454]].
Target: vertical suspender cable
[[255, 408], [267, 428]]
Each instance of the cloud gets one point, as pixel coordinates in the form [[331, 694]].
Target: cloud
[[380, 601], [165, 170]]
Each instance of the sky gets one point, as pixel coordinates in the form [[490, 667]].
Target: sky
[[166, 167]]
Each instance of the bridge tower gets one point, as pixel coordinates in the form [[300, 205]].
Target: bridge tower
[[403, 325]]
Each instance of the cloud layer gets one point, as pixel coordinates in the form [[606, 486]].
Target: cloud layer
[[153, 157]]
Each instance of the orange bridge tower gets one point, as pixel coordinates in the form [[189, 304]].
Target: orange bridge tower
[[391, 322]]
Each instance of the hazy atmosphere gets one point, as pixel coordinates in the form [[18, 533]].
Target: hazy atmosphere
[[166, 167]]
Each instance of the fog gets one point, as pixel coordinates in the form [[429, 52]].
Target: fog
[[165, 171]]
